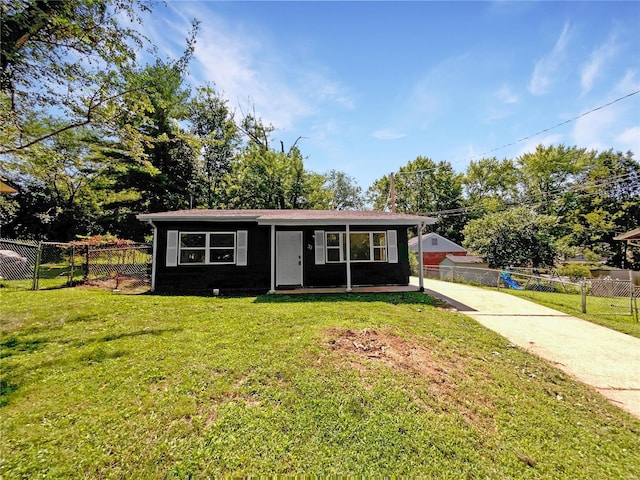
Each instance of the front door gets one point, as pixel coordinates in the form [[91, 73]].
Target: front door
[[288, 258]]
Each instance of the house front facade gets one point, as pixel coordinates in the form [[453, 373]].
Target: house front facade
[[258, 251]]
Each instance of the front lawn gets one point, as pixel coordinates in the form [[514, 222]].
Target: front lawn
[[101, 385]]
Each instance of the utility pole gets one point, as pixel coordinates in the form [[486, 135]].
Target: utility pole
[[392, 192]]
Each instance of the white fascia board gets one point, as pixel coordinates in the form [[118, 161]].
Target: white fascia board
[[338, 222], [196, 218]]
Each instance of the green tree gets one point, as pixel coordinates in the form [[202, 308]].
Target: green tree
[[605, 201], [261, 178], [517, 236], [546, 174], [59, 195], [425, 187], [217, 137], [345, 192], [490, 185], [70, 55]]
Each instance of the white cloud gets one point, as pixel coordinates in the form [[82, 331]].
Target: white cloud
[[249, 69], [629, 140], [547, 67], [597, 61], [593, 131], [629, 83], [387, 134], [506, 95], [530, 145]]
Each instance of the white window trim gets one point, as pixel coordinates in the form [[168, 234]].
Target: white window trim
[[372, 247], [207, 248]]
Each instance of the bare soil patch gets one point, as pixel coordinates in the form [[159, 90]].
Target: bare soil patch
[[390, 349], [441, 373]]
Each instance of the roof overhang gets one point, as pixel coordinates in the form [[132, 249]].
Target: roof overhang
[[629, 236], [289, 218]]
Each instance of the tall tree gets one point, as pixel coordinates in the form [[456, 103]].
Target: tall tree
[[517, 236], [69, 55], [262, 178], [217, 138], [345, 192], [604, 201], [490, 185], [546, 173], [59, 195], [423, 186]]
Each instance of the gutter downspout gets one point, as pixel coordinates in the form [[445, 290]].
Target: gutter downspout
[[154, 254], [273, 260], [348, 235], [420, 255]]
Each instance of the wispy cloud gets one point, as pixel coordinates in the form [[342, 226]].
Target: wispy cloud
[[506, 95], [530, 145], [251, 70], [548, 66], [629, 83], [593, 131], [597, 61], [629, 140], [388, 134]]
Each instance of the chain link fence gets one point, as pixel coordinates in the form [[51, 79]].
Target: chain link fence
[[120, 267], [46, 265], [17, 260], [609, 297]]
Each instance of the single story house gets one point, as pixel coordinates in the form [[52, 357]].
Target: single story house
[[435, 248], [255, 251]]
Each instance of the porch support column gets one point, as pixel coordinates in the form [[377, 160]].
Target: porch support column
[[349, 289], [273, 260], [420, 266]]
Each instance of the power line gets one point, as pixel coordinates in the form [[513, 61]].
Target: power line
[[558, 125]]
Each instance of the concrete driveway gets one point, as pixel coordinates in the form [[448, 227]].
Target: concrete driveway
[[607, 360]]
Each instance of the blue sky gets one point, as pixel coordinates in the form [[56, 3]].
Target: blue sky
[[372, 85]]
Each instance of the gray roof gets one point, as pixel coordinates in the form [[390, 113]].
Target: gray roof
[[290, 217]]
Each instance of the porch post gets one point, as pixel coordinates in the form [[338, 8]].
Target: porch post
[[420, 260], [273, 260], [349, 289]]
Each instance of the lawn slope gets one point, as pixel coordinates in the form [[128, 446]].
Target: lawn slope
[[101, 385]]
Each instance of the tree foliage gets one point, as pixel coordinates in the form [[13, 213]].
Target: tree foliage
[[69, 55], [517, 236], [424, 187], [344, 190]]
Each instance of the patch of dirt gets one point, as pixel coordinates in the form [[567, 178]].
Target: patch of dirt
[[442, 373], [387, 348]]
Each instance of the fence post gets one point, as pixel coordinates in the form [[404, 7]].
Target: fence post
[[631, 291], [36, 267], [73, 264], [583, 291]]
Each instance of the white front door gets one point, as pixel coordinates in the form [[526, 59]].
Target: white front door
[[288, 258]]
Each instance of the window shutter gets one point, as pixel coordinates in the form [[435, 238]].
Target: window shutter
[[319, 246], [392, 246], [242, 244], [172, 248]]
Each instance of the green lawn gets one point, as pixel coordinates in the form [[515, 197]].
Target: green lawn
[[101, 385], [571, 304]]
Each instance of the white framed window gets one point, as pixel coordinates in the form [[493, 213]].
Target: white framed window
[[202, 248], [365, 246]]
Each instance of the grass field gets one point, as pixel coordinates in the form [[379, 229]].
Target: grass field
[[101, 385]]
